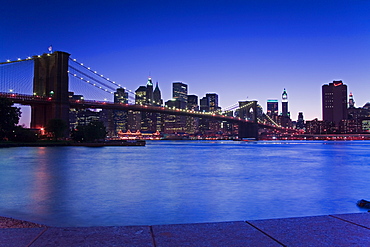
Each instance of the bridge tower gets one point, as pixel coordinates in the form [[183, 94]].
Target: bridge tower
[[248, 129], [50, 80]]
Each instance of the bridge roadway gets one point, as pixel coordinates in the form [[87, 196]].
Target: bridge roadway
[[24, 99]]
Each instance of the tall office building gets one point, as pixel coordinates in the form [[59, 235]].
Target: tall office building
[[180, 91], [121, 96], [119, 117], [300, 121], [192, 103], [334, 102], [351, 101], [272, 107], [140, 96], [149, 92], [213, 102], [284, 104], [157, 96]]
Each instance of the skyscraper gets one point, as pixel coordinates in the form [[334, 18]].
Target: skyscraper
[[272, 107], [149, 92], [180, 91], [192, 103], [300, 121], [121, 96], [140, 96], [157, 96], [334, 102], [213, 102], [284, 104], [351, 101]]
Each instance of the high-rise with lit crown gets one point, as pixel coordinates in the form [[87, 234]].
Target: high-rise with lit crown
[[149, 92], [284, 103], [334, 102]]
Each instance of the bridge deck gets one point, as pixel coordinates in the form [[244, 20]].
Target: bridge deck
[[330, 230]]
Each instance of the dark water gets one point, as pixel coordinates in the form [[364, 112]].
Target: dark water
[[170, 182]]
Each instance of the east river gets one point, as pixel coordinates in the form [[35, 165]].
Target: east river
[[170, 182]]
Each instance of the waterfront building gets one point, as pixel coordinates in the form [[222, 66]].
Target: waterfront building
[[334, 102], [300, 121], [119, 118], [192, 123], [175, 124]]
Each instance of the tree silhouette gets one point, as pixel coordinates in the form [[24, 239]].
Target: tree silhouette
[[9, 117], [92, 132], [57, 127]]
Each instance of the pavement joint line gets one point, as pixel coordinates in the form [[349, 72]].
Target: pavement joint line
[[39, 235], [350, 222], [152, 235], [268, 235]]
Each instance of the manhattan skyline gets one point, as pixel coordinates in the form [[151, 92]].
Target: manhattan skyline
[[241, 50]]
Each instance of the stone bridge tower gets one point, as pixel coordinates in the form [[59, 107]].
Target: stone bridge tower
[[50, 80]]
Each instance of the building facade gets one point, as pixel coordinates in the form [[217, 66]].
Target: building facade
[[334, 102]]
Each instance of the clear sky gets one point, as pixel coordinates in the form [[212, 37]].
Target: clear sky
[[238, 49]]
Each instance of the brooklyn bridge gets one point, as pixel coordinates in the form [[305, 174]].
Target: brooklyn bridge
[[55, 86]]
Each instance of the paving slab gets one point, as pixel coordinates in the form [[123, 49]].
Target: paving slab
[[18, 237], [95, 236], [361, 219], [210, 234], [314, 231]]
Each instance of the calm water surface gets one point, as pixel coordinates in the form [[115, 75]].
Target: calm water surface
[[170, 182]]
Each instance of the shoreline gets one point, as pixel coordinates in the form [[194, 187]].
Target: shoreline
[[67, 143]]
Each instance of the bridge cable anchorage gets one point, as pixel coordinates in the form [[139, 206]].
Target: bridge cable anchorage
[[100, 76]]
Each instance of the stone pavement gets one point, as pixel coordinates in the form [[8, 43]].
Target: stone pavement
[[330, 230]]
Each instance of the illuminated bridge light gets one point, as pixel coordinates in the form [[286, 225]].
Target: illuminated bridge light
[[8, 60], [74, 60]]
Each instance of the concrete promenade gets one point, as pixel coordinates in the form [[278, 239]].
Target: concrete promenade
[[329, 230]]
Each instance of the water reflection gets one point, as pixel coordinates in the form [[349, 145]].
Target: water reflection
[[182, 182]]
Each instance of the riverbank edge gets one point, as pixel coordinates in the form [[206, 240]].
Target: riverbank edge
[[67, 143], [325, 230], [7, 222]]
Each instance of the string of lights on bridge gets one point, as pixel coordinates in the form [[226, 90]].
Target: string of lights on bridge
[[234, 107]]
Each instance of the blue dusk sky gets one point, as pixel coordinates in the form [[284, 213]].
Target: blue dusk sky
[[241, 50]]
